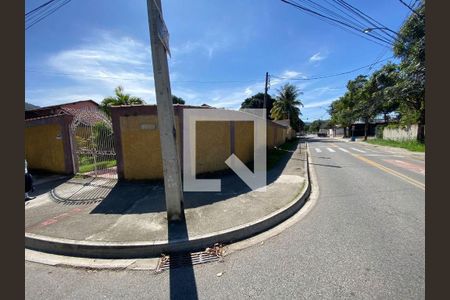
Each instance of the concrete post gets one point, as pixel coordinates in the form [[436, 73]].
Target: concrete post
[[166, 119]]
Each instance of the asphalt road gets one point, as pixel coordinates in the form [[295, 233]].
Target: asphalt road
[[363, 239]]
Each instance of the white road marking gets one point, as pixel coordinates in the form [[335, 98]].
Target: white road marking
[[386, 155], [331, 150], [342, 149], [318, 150], [359, 150]]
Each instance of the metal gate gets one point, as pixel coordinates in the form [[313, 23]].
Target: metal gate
[[93, 140]]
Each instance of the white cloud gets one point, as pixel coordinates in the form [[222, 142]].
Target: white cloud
[[207, 46], [98, 66], [318, 104], [316, 57], [232, 98]]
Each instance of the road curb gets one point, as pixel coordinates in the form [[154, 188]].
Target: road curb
[[134, 250]]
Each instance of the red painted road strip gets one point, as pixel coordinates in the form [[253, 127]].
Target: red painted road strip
[[55, 219], [406, 165]]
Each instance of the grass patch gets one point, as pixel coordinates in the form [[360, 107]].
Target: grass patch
[[274, 155], [84, 168], [409, 145]]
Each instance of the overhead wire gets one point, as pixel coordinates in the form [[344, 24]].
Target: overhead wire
[[39, 7], [369, 19], [44, 14], [334, 13], [337, 74], [344, 15], [306, 9]]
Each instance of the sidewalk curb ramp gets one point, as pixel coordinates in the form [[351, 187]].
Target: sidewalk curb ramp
[[130, 250]]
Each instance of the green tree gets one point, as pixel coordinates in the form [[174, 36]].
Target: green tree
[[410, 48], [341, 112], [177, 100], [287, 105], [361, 94], [385, 80], [103, 136], [319, 124], [119, 99], [257, 101]]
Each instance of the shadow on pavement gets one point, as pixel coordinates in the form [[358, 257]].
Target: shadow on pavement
[[181, 272], [131, 197], [144, 197], [45, 182]]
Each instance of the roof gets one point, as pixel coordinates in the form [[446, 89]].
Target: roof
[[62, 105], [57, 109]]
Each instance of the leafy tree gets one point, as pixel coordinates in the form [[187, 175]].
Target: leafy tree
[[341, 112], [177, 100], [119, 99], [306, 127], [410, 48], [361, 93], [102, 136], [385, 93], [286, 105], [257, 101], [319, 124]]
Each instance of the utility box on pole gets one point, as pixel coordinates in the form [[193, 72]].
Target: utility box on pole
[[159, 38]]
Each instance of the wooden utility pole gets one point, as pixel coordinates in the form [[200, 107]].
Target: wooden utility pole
[[159, 39], [265, 90]]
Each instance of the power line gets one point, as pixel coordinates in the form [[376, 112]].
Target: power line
[[303, 8], [211, 81], [345, 18], [344, 15], [409, 7], [39, 7], [139, 79], [45, 15], [42, 11], [337, 74], [359, 33], [364, 16]]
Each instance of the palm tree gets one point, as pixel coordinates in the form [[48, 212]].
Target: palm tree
[[286, 105], [120, 99]]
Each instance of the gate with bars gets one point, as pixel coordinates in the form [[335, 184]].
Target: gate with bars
[[93, 144]]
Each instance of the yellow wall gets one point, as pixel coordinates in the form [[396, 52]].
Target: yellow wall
[[270, 136], [212, 145], [141, 148], [281, 136], [44, 148], [243, 146]]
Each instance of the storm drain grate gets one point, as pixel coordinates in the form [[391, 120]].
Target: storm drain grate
[[177, 260]]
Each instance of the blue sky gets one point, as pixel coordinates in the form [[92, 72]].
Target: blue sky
[[220, 51]]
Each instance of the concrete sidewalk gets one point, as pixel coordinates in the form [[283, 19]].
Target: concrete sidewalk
[[108, 219]]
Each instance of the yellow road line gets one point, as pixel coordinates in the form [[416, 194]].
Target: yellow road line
[[392, 172], [388, 170]]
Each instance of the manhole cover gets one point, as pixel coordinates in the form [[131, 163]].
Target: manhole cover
[[177, 260]]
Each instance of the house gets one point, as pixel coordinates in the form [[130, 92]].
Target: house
[[71, 108], [359, 127]]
